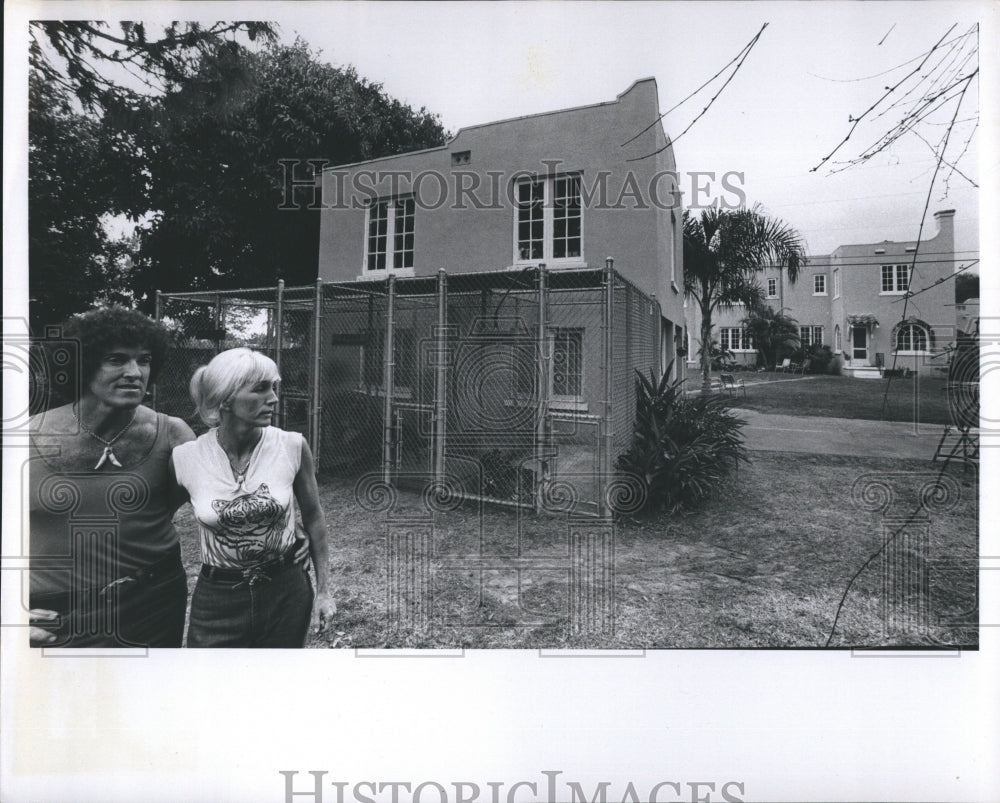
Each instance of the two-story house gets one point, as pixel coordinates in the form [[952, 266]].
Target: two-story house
[[567, 189], [873, 304], [523, 271]]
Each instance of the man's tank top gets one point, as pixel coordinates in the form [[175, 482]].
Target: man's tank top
[[88, 528]]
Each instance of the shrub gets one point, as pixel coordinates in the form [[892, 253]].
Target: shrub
[[682, 448], [820, 358], [721, 358]]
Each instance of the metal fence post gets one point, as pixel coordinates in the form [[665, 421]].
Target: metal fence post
[[316, 365], [544, 373], [279, 293], [220, 335], [279, 299], [389, 363], [658, 343], [607, 356], [157, 312], [441, 377]]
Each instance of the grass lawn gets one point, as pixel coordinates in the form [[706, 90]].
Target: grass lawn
[[923, 399], [764, 565]]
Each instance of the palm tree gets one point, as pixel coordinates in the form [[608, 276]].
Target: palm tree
[[771, 330], [724, 249]]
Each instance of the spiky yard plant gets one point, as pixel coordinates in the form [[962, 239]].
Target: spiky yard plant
[[682, 447]]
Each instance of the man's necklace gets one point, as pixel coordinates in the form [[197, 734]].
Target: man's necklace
[[108, 455]]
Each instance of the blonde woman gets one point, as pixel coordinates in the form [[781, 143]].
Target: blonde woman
[[246, 479]]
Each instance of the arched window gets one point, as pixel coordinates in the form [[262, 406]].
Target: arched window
[[912, 338], [838, 346]]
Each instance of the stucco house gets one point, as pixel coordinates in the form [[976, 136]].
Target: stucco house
[[523, 271], [566, 189], [854, 300]]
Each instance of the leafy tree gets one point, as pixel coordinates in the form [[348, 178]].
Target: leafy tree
[[217, 182], [101, 68], [77, 174], [199, 164], [723, 250], [773, 332], [966, 287], [89, 88]]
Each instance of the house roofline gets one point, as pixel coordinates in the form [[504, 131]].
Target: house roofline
[[504, 121]]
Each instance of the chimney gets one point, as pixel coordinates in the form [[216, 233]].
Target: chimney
[[946, 226]]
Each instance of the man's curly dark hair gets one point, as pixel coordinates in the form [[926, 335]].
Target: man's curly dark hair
[[100, 330]]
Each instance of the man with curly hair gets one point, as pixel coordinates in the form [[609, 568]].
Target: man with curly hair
[[106, 566]]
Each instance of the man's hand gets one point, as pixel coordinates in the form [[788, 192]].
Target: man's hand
[[39, 636], [302, 555]]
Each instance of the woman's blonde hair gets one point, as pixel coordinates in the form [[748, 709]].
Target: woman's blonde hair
[[214, 384]]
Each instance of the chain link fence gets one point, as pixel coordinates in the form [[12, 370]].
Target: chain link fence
[[516, 388]]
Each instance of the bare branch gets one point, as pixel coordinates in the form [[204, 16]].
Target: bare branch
[[952, 166], [749, 44], [857, 120], [701, 114]]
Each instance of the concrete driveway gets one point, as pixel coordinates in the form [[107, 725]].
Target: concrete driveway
[[841, 436]]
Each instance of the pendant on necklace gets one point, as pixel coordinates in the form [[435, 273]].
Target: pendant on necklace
[[108, 456]]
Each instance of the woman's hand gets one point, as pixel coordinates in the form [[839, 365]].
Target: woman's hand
[[324, 609], [39, 636]]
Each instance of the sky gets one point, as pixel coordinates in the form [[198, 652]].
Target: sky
[[788, 106]]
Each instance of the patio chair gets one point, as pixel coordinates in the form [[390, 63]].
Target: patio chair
[[804, 367], [731, 383], [786, 365]]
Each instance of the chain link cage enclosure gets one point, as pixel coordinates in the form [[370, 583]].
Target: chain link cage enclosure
[[514, 387]]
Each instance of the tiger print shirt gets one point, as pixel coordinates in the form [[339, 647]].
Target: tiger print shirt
[[243, 523]]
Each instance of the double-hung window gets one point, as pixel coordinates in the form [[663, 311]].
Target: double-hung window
[[810, 336], [732, 338], [911, 338], [895, 278], [389, 244], [819, 284], [404, 375], [567, 365], [772, 288], [836, 283], [548, 220]]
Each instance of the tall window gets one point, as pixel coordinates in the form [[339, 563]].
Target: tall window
[[733, 338], [819, 284], [895, 278], [404, 375], [838, 343], [567, 364], [772, 288], [811, 336], [911, 337], [836, 283], [390, 234], [549, 219]]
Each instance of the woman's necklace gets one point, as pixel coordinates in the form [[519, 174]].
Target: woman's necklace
[[239, 471], [108, 455]]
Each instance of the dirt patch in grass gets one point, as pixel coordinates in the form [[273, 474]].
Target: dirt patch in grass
[[920, 399], [767, 564]]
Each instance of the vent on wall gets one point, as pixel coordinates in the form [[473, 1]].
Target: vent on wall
[[879, 250], [461, 158]]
